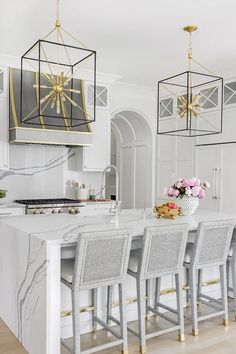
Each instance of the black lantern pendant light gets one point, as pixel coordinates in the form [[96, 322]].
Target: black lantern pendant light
[[59, 63], [190, 104]]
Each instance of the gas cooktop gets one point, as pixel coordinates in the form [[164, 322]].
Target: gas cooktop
[[57, 201], [51, 206]]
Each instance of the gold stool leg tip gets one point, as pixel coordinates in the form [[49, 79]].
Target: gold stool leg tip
[[124, 351], [94, 329], [226, 323], [195, 332], [148, 317], [181, 337], [143, 349], [235, 318]]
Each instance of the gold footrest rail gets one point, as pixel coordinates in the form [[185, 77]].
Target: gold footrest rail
[[134, 299]]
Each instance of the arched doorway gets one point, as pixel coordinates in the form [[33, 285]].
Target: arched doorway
[[132, 152]]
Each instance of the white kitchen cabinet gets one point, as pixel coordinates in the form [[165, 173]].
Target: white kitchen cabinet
[[4, 119], [97, 208], [4, 124], [96, 157], [11, 211], [175, 160], [217, 165], [3, 81], [208, 167]]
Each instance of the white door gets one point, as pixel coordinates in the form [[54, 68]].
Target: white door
[[208, 168], [127, 177], [228, 167]]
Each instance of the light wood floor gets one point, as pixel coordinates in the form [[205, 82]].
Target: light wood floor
[[213, 338]]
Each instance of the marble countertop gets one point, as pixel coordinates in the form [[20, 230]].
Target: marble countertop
[[65, 228]]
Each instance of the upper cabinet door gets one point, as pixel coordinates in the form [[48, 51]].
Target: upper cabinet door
[[4, 146], [208, 168], [4, 119], [96, 157]]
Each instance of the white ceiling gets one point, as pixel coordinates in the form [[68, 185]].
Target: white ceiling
[[140, 40]]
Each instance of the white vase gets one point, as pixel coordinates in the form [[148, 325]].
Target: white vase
[[188, 204]]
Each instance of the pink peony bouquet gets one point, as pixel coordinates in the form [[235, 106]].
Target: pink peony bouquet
[[190, 187]]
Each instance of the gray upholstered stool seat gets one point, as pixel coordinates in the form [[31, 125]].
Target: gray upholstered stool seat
[[67, 269], [210, 249], [101, 261], [162, 254]]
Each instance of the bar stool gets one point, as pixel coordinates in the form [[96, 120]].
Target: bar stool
[[101, 261], [210, 249], [231, 266], [162, 254]]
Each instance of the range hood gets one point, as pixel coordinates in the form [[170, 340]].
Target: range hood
[[42, 134]]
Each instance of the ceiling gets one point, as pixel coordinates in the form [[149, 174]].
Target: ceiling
[[140, 40]]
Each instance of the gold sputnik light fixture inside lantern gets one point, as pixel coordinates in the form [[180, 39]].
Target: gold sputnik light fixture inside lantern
[[59, 62], [190, 103]]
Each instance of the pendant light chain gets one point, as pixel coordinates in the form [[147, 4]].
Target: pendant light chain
[[190, 52], [58, 11]]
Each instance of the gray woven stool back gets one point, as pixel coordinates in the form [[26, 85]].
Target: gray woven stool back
[[212, 242], [163, 250], [102, 259], [162, 254], [211, 248]]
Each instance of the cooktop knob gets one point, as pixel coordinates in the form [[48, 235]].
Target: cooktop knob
[[36, 211], [42, 212], [77, 211], [60, 211], [53, 211]]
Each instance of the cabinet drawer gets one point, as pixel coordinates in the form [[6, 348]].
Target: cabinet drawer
[[95, 209], [11, 211]]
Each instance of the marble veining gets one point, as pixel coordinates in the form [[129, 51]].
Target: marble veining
[[33, 170], [35, 273]]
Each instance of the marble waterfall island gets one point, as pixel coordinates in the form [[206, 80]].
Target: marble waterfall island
[[30, 297]]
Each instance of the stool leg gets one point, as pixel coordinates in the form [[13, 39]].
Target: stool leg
[[199, 283], [141, 314], [94, 312], [224, 295], [180, 307], [187, 290], [109, 303], [228, 271], [76, 322], [123, 319], [233, 271], [193, 298], [148, 297], [157, 293]]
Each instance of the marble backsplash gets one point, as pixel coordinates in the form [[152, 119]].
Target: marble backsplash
[[38, 171]]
